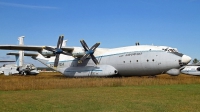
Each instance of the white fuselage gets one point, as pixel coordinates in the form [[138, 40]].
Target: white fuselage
[[141, 60], [191, 70]]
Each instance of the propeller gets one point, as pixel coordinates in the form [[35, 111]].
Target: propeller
[[58, 50], [89, 52]]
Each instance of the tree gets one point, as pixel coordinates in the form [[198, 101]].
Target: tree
[[195, 61]]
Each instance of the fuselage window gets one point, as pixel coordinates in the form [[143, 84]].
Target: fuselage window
[[152, 59], [147, 60], [198, 69], [137, 60], [124, 61]]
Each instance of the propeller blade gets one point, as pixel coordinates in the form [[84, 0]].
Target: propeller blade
[[60, 42], [94, 59], [89, 51], [84, 45], [66, 53], [56, 60], [57, 51], [94, 46], [49, 48], [83, 58]]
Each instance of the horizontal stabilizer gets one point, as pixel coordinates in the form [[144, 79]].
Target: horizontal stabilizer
[[6, 61], [25, 54]]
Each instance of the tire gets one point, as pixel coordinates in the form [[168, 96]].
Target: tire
[[24, 73]]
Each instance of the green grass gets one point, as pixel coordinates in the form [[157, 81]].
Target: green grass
[[145, 98]]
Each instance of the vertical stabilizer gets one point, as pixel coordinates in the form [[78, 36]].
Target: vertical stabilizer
[[64, 44], [21, 53], [17, 60]]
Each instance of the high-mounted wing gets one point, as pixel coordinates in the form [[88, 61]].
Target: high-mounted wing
[[31, 48]]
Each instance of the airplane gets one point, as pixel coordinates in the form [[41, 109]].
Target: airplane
[[138, 60], [19, 67], [25, 69], [191, 69], [5, 61]]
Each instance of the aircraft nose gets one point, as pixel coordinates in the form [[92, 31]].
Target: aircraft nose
[[185, 59]]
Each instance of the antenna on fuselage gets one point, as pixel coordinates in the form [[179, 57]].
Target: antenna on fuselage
[[137, 43]]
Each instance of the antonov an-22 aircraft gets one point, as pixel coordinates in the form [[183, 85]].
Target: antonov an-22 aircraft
[[139, 60]]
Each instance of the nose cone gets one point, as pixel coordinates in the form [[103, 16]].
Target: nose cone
[[186, 59]]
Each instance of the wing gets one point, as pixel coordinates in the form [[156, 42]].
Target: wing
[[30, 48]]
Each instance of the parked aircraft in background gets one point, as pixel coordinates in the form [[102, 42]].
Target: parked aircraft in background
[[139, 60], [4, 61], [19, 67], [25, 69], [191, 69]]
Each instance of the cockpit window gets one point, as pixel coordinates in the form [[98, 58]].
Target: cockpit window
[[170, 50], [175, 50]]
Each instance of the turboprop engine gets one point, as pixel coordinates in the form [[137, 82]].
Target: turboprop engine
[[83, 55], [78, 52], [47, 54]]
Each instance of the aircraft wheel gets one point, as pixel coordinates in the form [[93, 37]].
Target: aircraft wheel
[[24, 73]]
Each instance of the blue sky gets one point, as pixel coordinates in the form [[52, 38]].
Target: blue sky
[[114, 23]]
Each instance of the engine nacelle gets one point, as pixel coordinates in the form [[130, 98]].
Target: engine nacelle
[[173, 72], [78, 54], [46, 53]]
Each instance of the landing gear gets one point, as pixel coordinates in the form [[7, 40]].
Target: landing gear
[[23, 73]]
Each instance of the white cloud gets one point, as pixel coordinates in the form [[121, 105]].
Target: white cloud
[[26, 6]]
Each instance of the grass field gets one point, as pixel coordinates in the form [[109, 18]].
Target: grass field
[[54, 92]]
